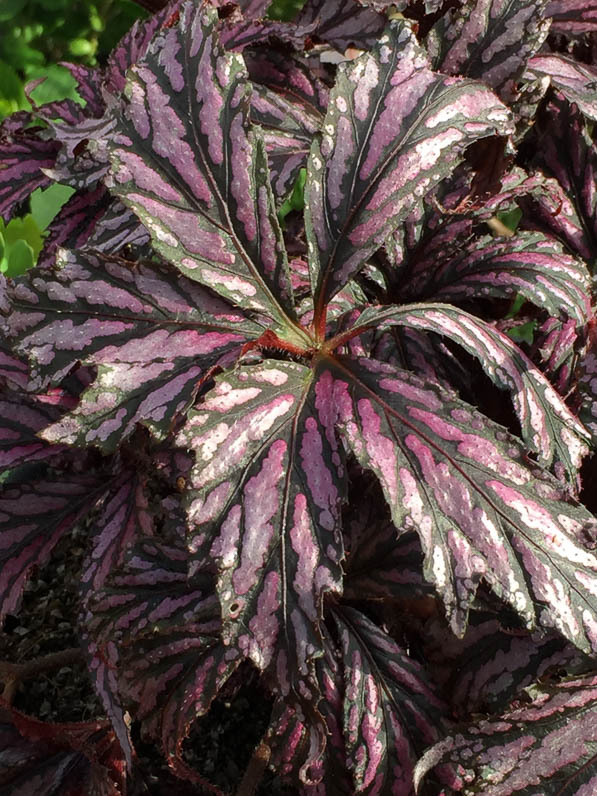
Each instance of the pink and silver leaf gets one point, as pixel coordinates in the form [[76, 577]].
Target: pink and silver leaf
[[572, 17], [547, 746], [487, 668], [36, 512], [481, 508], [489, 40], [390, 711], [264, 503], [528, 264], [153, 335], [205, 197], [548, 427], [576, 81], [394, 129], [159, 632]]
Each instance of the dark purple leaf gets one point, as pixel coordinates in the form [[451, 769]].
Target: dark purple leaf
[[480, 508], [381, 153], [486, 669], [547, 746], [573, 17], [152, 337], [289, 103], [37, 758], [74, 223], [204, 197], [342, 23], [12, 369], [21, 417], [118, 227], [23, 155], [528, 264], [568, 153], [576, 81], [265, 505], [380, 561], [123, 519], [158, 632], [35, 513], [553, 211], [489, 40], [390, 713], [240, 35], [548, 427]]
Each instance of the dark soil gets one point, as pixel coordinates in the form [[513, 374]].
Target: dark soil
[[220, 745]]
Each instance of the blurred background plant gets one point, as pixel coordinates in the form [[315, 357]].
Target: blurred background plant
[[36, 35]]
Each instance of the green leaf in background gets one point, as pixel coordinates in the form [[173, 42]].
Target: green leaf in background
[[510, 218], [285, 9], [22, 238], [10, 8], [46, 204], [296, 200], [58, 84], [524, 333]]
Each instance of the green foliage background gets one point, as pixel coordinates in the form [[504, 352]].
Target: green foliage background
[[35, 35]]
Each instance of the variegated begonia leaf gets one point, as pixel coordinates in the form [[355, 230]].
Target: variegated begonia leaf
[[554, 211], [479, 506], [36, 511], [572, 17], [23, 155], [547, 746], [490, 666], [569, 154], [380, 562], [118, 227], [289, 103], [548, 427], [158, 632], [288, 130], [21, 417], [38, 758], [393, 130], [134, 45], [490, 40], [576, 81], [528, 264], [123, 519], [265, 505], [12, 370], [152, 337], [204, 196], [390, 712], [74, 223], [342, 23], [587, 388]]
